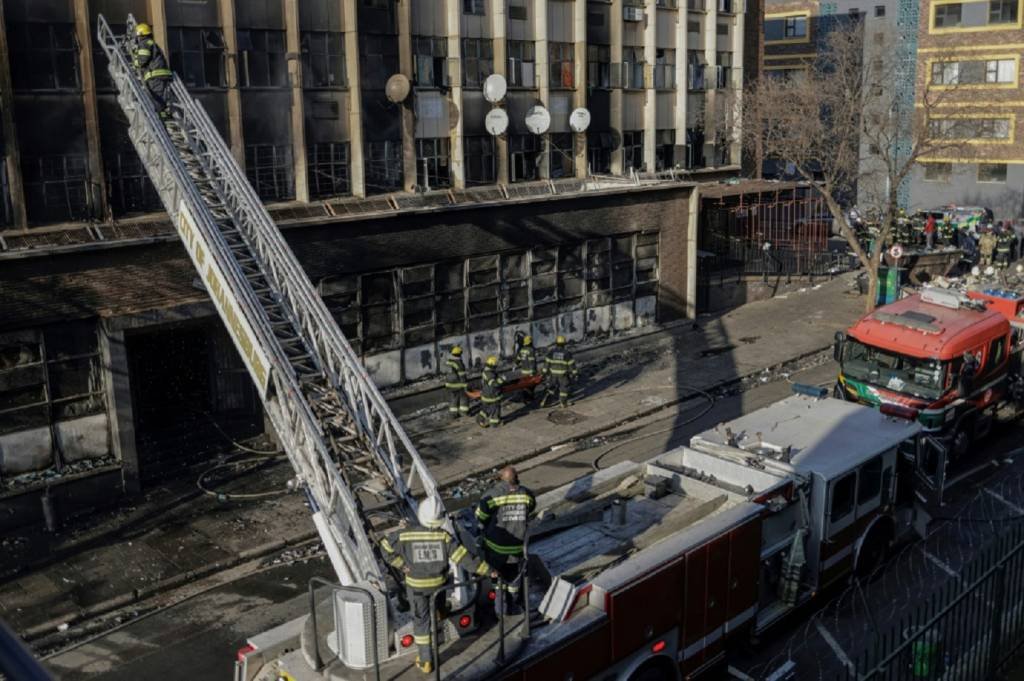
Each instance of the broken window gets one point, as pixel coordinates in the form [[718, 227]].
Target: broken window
[[432, 168], [384, 165], [483, 284], [544, 281], [450, 298], [129, 189], [481, 162], [665, 69], [600, 146], [269, 169], [521, 63], [664, 149], [633, 149], [418, 323], [43, 56], [598, 272], [477, 61], [474, 7], [563, 159], [197, 55], [56, 187], [646, 269], [599, 59], [570, 277], [523, 157], [341, 296], [323, 59], [378, 311], [561, 64], [329, 173], [430, 61], [378, 59], [263, 58], [622, 261], [633, 68], [515, 288]]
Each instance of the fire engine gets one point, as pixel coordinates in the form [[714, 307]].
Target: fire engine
[[909, 358]]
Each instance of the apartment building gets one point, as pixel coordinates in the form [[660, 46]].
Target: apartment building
[[419, 227]]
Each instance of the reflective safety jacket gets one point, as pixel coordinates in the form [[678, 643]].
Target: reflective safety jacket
[[559, 362], [426, 552], [1004, 242], [526, 360], [150, 59], [455, 374], [503, 512], [491, 382]]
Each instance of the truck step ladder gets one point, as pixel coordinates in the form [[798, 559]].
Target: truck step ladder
[[341, 437]]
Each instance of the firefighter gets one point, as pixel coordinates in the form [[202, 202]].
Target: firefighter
[[1004, 244], [968, 370], [503, 513], [423, 552], [526, 363], [947, 233], [455, 383], [490, 394], [560, 369], [986, 247], [149, 60]]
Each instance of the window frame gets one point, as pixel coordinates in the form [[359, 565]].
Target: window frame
[[838, 523], [330, 60], [27, 65], [944, 177], [478, 66], [944, 10], [276, 78], [516, 55], [989, 179]]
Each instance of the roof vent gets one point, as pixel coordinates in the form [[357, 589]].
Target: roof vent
[[942, 297]]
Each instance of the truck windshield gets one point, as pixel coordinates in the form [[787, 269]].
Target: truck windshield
[[925, 378]]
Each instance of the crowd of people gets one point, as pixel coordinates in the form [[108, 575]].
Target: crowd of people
[[984, 241]]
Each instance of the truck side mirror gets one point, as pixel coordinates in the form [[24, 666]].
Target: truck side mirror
[[837, 347]]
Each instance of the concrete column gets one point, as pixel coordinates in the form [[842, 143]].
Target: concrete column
[[97, 180], [12, 157], [540, 27], [117, 382], [408, 117], [453, 31], [158, 20], [579, 95], [710, 47], [499, 30], [293, 47], [650, 94], [691, 253], [234, 96], [350, 26], [681, 45], [736, 84], [616, 98]]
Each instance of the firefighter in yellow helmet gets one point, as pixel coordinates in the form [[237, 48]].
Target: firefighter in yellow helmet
[[560, 370], [455, 383], [490, 394], [149, 60], [526, 361]]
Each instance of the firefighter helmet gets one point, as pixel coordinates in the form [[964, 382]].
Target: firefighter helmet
[[456, 351], [492, 361], [527, 340], [143, 30], [560, 340], [429, 512]]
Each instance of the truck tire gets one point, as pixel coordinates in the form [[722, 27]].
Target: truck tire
[[655, 669], [873, 550], [962, 438]]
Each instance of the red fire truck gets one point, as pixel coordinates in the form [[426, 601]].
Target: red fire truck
[[652, 571]]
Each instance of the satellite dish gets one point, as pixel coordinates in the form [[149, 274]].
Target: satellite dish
[[579, 120], [496, 121], [397, 88], [538, 120], [495, 88]]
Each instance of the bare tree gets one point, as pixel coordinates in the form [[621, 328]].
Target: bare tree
[[842, 123]]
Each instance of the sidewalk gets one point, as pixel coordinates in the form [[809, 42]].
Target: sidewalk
[[182, 534]]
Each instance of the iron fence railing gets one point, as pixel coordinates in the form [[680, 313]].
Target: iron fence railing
[[969, 629]]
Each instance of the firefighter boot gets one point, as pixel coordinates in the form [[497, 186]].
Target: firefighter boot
[[425, 667]]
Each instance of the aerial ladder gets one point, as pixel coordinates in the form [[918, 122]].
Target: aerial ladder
[[351, 456]]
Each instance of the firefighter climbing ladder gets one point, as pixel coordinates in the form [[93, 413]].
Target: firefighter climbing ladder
[[340, 435]]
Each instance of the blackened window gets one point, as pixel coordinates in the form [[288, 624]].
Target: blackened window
[[269, 168], [323, 59], [43, 56], [383, 165], [665, 69], [430, 61], [599, 151], [128, 187], [599, 59], [263, 59], [197, 55], [480, 159], [523, 157], [562, 155], [432, 168], [328, 169], [56, 187], [633, 149], [521, 63], [633, 67], [561, 63], [664, 149], [473, 6], [378, 59], [477, 61]]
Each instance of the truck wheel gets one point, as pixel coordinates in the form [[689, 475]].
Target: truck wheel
[[838, 392], [657, 669], [872, 551], [962, 439]]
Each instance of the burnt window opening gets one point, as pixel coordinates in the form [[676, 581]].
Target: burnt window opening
[[263, 58], [478, 7], [522, 63], [695, 148], [384, 171], [665, 69], [269, 169], [633, 149], [43, 56], [323, 59], [633, 67], [329, 171], [378, 59], [477, 61], [430, 61], [481, 161], [56, 187], [562, 155], [432, 166], [104, 82], [524, 157], [561, 65], [6, 207], [129, 189], [600, 146], [418, 310], [664, 149], [599, 68], [378, 306], [197, 56]]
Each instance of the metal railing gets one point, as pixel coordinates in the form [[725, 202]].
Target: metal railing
[[969, 629]]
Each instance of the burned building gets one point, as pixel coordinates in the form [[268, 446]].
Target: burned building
[[418, 225]]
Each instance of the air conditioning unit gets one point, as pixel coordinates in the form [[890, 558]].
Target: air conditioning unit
[[633, 13]]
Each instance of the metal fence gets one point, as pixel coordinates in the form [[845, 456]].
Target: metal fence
[[970, 629]]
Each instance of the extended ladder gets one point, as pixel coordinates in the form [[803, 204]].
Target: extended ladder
[[339, 433]]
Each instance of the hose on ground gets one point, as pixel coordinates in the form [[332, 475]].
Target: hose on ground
[[248, 496]]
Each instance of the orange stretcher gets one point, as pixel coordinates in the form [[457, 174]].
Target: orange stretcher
[[522, 383]]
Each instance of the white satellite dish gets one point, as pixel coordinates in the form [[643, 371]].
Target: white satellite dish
[[496, 121], [579, 120], [495, 88], [538, 120], [397, 88]]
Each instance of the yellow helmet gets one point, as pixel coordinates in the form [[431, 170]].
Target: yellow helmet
[[456, 350], [143, 30], [492, 361], [527, 340], [560, 340]]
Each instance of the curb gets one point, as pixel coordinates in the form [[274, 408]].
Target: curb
[[136, 595]]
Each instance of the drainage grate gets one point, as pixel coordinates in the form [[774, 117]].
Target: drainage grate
[[565, 417]]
